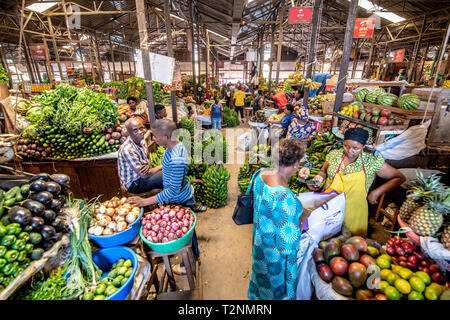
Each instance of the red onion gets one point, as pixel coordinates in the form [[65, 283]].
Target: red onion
[[172, 214], [153, 222], [187, 211], [177, 208], [162, 208], [168, 228], [186, 223], [160, 236], [166, 217], [157, 216], [175, 227], [145, 233], [165, 233], [154, 239], [180, 215], [152, 215], [191, 223], [165, 239], [148, 227], [171, 236], [179, 233], [149, 238], [184, 229], [153, 233], [163, 224], [191, 217], [155, 228]]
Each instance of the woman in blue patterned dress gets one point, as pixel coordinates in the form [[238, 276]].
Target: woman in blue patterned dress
[[301, 128], [277, 226]]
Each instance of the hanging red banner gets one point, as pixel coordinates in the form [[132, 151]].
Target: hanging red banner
[[300, 15], [399, 55], [38, 51], [364, 28]]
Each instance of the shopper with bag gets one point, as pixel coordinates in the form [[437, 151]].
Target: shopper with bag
[[351, 170], [277, 226]]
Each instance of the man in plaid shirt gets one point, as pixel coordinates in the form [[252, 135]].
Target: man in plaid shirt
[[135, 172]]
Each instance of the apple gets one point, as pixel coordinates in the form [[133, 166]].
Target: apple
[[385, 113], [437, 277], [424, 263], [382, 121], [412, 259], [395, 259], [434, 268], [411, 266], [356, 115]]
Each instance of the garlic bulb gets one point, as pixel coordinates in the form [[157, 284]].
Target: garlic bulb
[[107, 232], [103, 220], [131, 217], [112, 225], [122, 225]]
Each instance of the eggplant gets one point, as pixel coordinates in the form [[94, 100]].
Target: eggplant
[[41, 177], [37, 223], [5, 220], [62, 179], [46, 245], [61, 199], [53, 187], [58, 224], [55, 205], [47, 232], [20, 215], [43, 197], [49, 216], [36, 208], [38, 186]]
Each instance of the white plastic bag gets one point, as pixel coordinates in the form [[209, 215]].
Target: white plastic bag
[[325, 221], [407, 144], [304, 258], [244, 141], [436, 251]]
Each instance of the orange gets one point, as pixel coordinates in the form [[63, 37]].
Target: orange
[[383, 285], [424, 277], [385, 273]]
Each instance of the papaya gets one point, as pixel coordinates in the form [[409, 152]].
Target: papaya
[[359, 242], [342, 286], [331, 250], [349, 252], [357, 274]]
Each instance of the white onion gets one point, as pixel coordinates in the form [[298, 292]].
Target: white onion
[[103, 220], [121, 226], [112, 225], [107, 232], [110, 211], [97, 230], [119, 218], [123, 211], [102, 209], [123, 200], [131, 217]]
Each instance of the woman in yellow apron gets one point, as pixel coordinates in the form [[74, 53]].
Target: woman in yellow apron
[[351, 170]]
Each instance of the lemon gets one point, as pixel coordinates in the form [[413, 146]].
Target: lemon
[[392, 277], [383, 285], [424, 277], [403, 286], [392, 293], [396, 269], [405, 273], [414, 295], [383, 263], [385, 273], [417, 284]]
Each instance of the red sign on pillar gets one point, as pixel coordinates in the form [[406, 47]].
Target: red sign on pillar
[[38, 51], [300, 15], [399, 55], [364, 28]]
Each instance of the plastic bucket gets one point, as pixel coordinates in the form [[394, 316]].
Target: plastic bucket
[[120, 238], [171, 246], [105, 258]]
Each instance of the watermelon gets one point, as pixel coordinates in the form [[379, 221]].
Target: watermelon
[[387, 99], [361, 94], [379, 91], [409, 101], [371, 97], [357, 103]]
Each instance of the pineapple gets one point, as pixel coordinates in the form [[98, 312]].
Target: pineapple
[[445, 238], [421, 191], [428, 219]]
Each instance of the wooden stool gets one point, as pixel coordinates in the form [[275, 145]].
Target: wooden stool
[[188, 259], [381, 210], [248, 112]]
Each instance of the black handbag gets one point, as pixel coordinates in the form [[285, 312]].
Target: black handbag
[[243, 211]]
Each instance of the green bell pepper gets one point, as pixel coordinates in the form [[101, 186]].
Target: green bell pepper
[[24, 236], [22, 256], [8, 240], [19, 245], [12, 193], [18, 271], [11, 255], [13, 229], [8, 269], [2, 230], [3, 250], [25, 263], [1, 277], [29, 247], [3, 263]]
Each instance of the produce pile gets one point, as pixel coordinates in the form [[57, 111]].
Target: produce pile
[[230, 117], [32, 222], [167, 223], [247, 170], [188, 124], [346, 124], [214, 192], [71, 123], [382, 117], [379, 96], [113, 216], [276, 117], [116, 278], [427, 206], [350, 267], [259, 117], [156, 157], [3, 75], [315, 105]]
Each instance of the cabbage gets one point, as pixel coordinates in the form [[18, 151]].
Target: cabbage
[[35, 114], [30, 132], [23, 107]]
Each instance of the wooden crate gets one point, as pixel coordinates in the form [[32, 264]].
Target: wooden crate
[[409, 114]]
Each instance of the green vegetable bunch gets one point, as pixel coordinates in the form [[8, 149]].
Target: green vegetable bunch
[[49, 288], [230, 117], [3, 75]]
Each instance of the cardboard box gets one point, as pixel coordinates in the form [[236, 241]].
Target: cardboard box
[[327, 107]]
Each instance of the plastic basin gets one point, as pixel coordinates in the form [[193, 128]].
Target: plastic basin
[[119, 238], [171, 246], [105, 258]]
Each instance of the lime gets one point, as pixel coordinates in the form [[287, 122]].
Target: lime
[[100, 289], [383, 263], [392, 293], [403, 286], [99, 297], [417, 283], [128, 263], [414, 295], [431, 293], [396, 269], [116, 282], [445, 295], [123, 281], [392, 277], [385, 273], [88, 296], [424, 277], [383, 285], [405, 273], [438, 287], [120, 262]]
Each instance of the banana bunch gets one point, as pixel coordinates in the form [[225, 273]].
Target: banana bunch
[[215, 186], [197, 169], [198, 189], [156, 157], [297, 77], [446, 84], [298, 65], [295, 185], [312, 85], [276, 117]]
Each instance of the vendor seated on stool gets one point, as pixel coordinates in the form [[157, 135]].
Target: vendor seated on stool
[[135, 172], [351, 170], [301, 128], [177, 189]]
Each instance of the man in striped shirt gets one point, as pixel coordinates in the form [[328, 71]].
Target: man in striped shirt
[[135, 172]]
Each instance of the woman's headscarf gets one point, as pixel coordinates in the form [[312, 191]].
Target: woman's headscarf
[[302, 113], [357, 134]]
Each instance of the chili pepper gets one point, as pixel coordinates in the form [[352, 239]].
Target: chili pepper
[[2, 230], [3, 262], [19, 245], [3, 250], [13, 229], [24, 236], [12, 193], [29, 247], [8, 269], [8, 240], [22, 256], [11, 255], [2, 208]]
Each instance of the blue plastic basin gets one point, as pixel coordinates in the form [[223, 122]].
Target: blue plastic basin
[[120, 238], [105, 258]]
